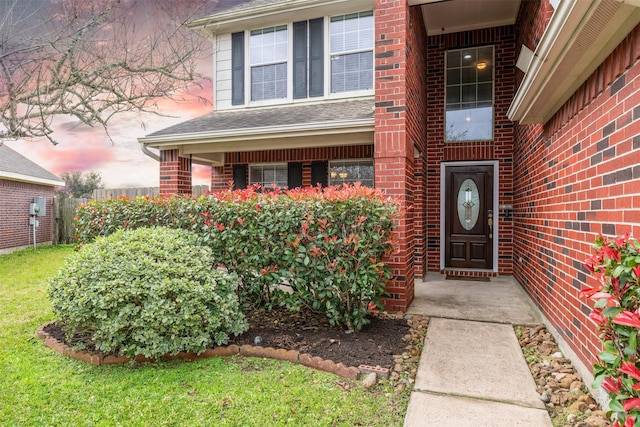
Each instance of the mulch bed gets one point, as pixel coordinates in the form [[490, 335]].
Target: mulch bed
[[308, 332]]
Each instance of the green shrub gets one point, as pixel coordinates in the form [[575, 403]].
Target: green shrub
[[616, 312], [149, 291], [328, 246]]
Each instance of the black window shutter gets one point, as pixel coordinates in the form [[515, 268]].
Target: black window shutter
[[319, 173], [295, 175], [316, 57], [300, 59], [239, 177], [237, 68]]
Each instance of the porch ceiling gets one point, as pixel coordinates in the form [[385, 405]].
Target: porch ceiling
[[451, 16], [320, 124]]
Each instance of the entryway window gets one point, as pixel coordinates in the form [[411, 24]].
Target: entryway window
[[469, 94], [351, 171], [269, 175]]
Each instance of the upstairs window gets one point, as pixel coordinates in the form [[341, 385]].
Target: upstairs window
[[299, 60], [268, 58], [469, 94], [351, 48]]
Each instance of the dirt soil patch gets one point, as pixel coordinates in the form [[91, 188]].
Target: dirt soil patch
[[387, 335], [311, 333]]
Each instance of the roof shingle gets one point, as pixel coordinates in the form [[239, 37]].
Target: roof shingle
[[12, 162], [290, 114]]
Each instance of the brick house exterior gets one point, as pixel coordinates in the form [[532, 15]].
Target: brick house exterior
[[559, 165], [21, 181]]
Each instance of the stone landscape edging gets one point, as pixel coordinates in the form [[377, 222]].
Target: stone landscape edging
[[292, 356]]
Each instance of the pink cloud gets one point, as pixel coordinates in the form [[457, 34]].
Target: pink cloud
[[197, 102], [201, 175], [85, 161], [65, 157]]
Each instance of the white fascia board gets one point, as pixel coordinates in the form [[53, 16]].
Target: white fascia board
[[12, 176], [563, 23], [282, 12], [265, 132], [561, 62]]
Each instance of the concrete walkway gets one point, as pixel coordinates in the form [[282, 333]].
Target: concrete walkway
[[472, 371]]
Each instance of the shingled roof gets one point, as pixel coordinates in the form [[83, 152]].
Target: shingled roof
[[16, 167], [228, 121], [224, 6]]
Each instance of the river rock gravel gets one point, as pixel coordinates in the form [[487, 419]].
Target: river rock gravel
[[565, 395]]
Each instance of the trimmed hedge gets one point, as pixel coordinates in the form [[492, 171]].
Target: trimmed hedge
[[150, 292], [321, 248]]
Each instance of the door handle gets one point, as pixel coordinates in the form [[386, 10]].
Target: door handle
[[490, 223]]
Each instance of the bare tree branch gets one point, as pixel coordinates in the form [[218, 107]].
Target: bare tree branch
[[91, 60]]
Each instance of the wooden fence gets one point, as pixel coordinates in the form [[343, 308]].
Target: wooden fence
[[65, 208], [114, 193]]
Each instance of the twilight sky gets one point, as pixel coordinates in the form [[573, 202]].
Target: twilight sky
[[120, 162]]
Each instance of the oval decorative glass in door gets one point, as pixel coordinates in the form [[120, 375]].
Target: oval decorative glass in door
[[468, 204]]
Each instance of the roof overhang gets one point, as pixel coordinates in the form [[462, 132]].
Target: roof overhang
[[452, 16], [12, 176], [579, 37], [209, 147], [274, 14]]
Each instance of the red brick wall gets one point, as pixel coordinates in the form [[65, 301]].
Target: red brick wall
[[533, 19], [416, 113], [575, 177], [175, 173], [15, 198], [503, 40], [400, 130], [221, 176]]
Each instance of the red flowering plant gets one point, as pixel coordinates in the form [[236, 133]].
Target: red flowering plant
[[322, 248], [616, 312]]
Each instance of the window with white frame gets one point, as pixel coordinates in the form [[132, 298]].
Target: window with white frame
[[269, 175], [268, 56], [288, 61], [351, 171], [469, 94], [351, 49]]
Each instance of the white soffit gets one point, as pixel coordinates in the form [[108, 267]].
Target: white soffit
[[580, 35], [452, 16], [13, 176]]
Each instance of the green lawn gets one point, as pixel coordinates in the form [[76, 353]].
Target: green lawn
[[39, 387]]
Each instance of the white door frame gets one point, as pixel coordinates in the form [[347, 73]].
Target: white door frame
[[496, 216]]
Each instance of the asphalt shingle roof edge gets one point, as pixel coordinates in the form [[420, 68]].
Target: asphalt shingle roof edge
[[284, 115], [231, 7], [15, 167]]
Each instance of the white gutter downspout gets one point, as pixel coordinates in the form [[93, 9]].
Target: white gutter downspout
[[149, 153]]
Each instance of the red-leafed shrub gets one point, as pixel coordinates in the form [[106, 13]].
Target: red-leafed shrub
[[321, 248], [616, 266]]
